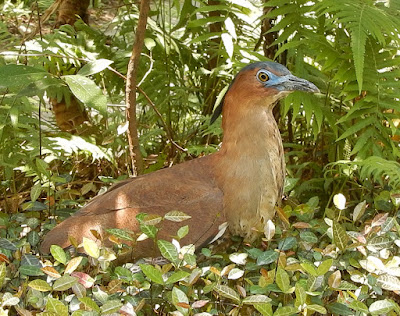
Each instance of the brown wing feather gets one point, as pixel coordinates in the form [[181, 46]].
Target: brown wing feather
[[188, 187]]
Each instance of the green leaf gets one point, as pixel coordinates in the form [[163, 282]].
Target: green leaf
[[381, 307], [267, 257], [183, 231], [317, 308], [176, 216], [89, 304], [256, 299], [152, 273], [87, 92], [309, 268], [7, 244], [43, 167], [324, 267], [227, 292], [58, 253], [282, 279], [110, 307], [120, 233], [30, 270], [33, 238], [285, 311], [359, 306], [358, 40], [56, 307], [177, 276], [12, 76], [149, 230], [94, 67], [371, 120], [339, 309], [40, 285], [340, 237], [36, 190], [168, 250], [301, 295], [3, 272], [64, 283], [265, 309], [178, 296], [388, 282], [91, 247], [287, 243], [309, 237]]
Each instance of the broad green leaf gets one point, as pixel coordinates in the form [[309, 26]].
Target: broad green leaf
[[56, 307], [381, 307], [282, 279], [235, 274], [339, 309], [168, 250], [64, 283], [149, 230], [378, 243], [94, 67], [152, 273], [324, 267], [264, 308], [285, 311], [301, 295], [267, 257], [3, 272], [388, 282], [359, 210], [73, 264], [87, 92], [40, 285], [89, 303], [309, 268], [309, 237], [110, 307], [177, 276], [7, 244], [287, 243], [334, 279], [58, 253], [359, 306], [91, 247], [227, 292], [151, 219], [317, 308], [256, 299], [176, 216], [340, 237], [12, 76], [30, 270], [182, 231], [33, 238], [120, 233], [36, 190], [179, 298], [43, 167]]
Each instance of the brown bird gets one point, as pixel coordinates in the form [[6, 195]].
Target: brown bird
[[240, 184]]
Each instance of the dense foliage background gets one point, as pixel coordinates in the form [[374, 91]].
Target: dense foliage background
[[63, 140]]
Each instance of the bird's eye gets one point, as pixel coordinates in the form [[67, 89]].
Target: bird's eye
[[263, 77]]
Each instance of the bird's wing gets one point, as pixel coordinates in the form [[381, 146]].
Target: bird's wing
[[188, 187]]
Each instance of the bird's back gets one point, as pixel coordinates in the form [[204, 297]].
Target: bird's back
[[188, 187]]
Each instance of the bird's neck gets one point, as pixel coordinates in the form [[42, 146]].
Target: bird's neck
[[250, 167]]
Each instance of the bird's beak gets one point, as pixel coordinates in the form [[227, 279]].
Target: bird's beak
[[293, 83]]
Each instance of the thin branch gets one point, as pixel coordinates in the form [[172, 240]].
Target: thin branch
[[133, 138]]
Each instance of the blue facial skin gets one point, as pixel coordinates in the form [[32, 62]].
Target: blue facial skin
[[286, 82]]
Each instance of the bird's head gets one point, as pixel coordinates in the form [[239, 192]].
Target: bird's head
[[263, 83]]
